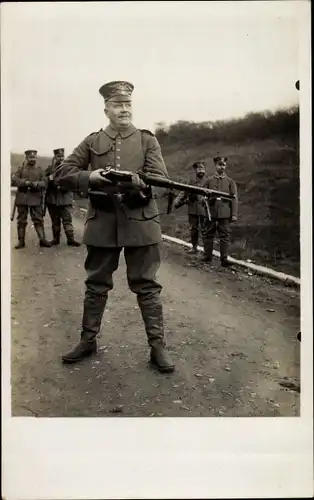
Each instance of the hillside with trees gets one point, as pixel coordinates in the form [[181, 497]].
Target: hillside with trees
[[263, 159]]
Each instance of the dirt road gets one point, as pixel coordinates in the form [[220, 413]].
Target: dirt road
[[232, 336]]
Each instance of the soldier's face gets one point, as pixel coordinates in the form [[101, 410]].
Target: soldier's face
[[31, 159], [221, 167], [119, 113], [59, 158], [200, 171]]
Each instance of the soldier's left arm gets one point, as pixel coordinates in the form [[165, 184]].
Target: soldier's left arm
[[234, 202], [154, 162]]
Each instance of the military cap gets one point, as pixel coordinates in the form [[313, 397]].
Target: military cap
[[59, 151], [198, 164], [217, 159], [117, 91], [30, 151]]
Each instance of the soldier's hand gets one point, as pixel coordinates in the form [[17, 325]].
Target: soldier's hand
[[137, 182], [96, 179], [27, 183], [234, 218]]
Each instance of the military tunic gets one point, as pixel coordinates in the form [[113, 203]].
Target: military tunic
[[132, 150], [222, 208], [54, 194], [29, 198]]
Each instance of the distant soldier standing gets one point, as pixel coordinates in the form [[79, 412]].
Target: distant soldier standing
[[222, 211], [30, 182], [59, 203], [125, 217], [196, 210]]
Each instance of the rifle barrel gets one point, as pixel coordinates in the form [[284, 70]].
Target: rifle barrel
[[158, 181], [189, 188]]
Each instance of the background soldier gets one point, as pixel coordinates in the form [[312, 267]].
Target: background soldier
[[196, 209], [119, 220], [222, 211], [59, 203], [30, 182]]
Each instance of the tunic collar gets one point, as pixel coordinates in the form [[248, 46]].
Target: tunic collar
[[123, 133]]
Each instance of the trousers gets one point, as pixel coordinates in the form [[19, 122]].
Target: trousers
[[197, 223], [142, 265], [60, 214], [223, 228], [35, 213]]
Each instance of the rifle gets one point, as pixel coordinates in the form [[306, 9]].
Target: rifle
[[14, 208], [44, 193], [124, 176]]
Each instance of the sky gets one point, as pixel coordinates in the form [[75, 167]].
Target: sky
[[196, 61]]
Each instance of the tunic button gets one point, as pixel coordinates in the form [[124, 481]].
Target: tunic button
[[118, 165], [118, 149], [118, 157]]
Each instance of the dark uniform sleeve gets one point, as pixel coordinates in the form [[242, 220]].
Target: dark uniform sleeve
[[72, 174], [17, 180], [234, 202], [154, 163]]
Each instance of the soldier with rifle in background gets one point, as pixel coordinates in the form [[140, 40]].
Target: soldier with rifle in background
[[223, 211], [197, 213], [31, 183], [59, 203]]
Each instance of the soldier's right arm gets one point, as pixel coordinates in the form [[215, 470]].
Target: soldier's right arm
[[72, 174], [17, 180]]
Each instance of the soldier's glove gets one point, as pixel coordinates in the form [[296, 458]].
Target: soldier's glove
[[137, 182], [97, 179]]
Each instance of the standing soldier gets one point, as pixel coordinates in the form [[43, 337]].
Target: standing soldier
[[222, 211], [59, 203], [31, 183], [196, 208], [125, 217]]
